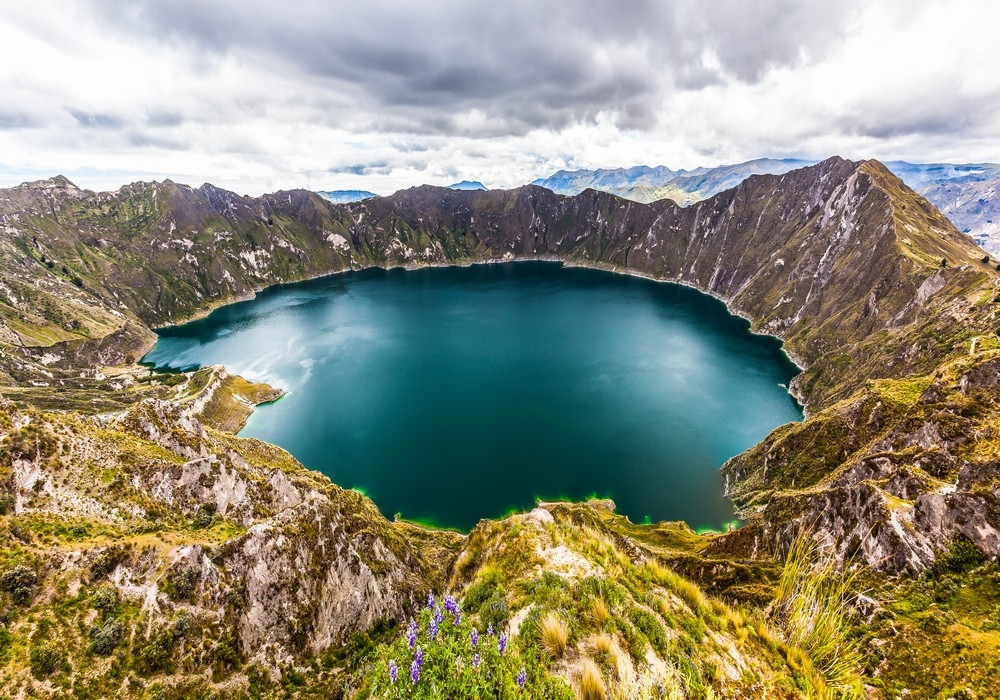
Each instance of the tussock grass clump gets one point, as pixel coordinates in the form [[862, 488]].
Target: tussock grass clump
[[604, 650], [603, 643], [812, 612], [591, 682], [688, 592], [599, 612], [554, 634]]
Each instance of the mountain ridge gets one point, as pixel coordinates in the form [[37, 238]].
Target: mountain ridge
[[965, 192], [871, 288]]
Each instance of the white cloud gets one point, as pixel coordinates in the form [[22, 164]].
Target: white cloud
[[258, 96]]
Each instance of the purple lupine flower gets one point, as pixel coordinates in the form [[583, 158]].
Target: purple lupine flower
[[489, 631], [502, 643], [522, 677], [430, 601], [475, 637], [418, 662], [450, 604], [475, 660], [458, 619], [434, 629], [393, 671], [411, 634], [438, 615]]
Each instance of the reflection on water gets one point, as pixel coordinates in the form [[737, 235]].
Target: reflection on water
[[448, 395]]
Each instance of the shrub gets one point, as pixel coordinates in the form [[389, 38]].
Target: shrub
[[490, 583], [653, 629], [182, 581], [32, 442], [105, 599], [204, 517], [106, 562], [495, 612], [6, 639], [553, 634], [18, 581], [45, 659], [104, 638], [962, 555], [226, 653], [155, 653]]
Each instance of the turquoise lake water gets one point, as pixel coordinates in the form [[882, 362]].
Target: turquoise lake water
[[453, 394]]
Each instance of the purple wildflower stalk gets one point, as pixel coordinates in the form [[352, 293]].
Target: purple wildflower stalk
[[393, 671], [434, 629], [458, 619], [418, 662], [475, 660], [450, 604], [522, 677], [475, 637], [438, 615], [502, 643], [411, 634], [430, 601]]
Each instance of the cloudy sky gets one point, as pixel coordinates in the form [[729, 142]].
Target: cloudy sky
[[383, 94]]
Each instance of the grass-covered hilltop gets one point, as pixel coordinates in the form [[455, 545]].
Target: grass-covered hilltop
[[148, 552]]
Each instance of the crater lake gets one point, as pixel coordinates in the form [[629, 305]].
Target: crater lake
[[453, 394]]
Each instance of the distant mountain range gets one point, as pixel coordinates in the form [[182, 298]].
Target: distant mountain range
[[965, 193], [645, 184], [346, 196], [467, 185]]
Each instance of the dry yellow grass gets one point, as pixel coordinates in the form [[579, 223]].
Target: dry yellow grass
[[591, 682], [599, 613], [603, 643], [554, 635], [604, 649]]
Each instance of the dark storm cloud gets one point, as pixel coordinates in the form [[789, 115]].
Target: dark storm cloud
[[950, 113], [521, 64]]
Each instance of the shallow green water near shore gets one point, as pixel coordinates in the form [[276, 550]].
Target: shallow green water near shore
[[454, 394]]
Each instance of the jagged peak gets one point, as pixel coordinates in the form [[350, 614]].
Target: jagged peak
[[60, 182], [923, 234]]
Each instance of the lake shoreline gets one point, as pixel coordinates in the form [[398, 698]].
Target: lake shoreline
[[524, 294]]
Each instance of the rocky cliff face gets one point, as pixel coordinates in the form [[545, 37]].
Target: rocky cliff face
[[891, 476], [302, 564]]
